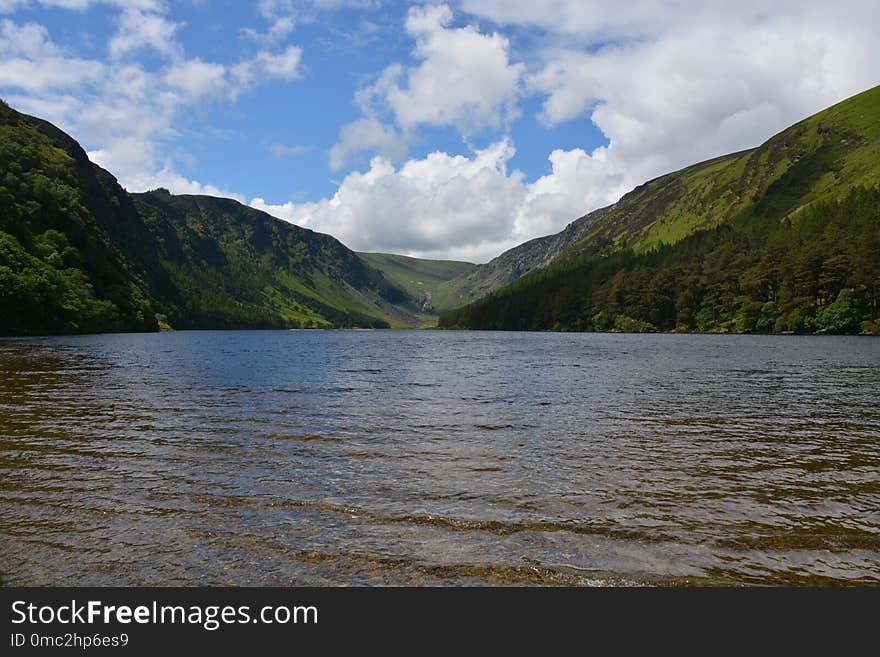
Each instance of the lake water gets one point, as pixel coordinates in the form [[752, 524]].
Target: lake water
[[425, 457]]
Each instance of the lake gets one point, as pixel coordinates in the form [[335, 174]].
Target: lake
[[439, 458]]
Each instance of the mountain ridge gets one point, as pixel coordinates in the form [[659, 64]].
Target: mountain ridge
[[752, 211], [80, 254], [674, 205]]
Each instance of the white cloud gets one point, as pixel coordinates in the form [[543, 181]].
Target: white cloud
[[366, 134], [29, 40], [139, 28], [271, 9], [279, 29], [124, 113], [450, 205], [37, 77], [32, 63], [432, 206], [284, 65], [577, 182], [464, 79], [198, 79]]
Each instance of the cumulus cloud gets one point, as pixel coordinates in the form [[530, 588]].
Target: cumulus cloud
[[139, 28], [197, 78], [284, 64], [123, 111], [445, 206], [427, 206], [279, 29], [464, 79], [367, 134], [32, 63]]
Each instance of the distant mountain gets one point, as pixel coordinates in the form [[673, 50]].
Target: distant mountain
[[420, 278], [80, 254], [768, 239], [512, 264]]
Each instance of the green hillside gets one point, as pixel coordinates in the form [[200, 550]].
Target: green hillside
[[79, 254], [816, 159], [419, 277], [780, 238]]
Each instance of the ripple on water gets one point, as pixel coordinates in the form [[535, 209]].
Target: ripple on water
[[330, 457]]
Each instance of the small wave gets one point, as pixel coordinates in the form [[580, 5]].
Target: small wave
[[502, 527], [303, 438], [530, 573]]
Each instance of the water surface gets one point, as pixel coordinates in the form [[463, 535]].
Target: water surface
[[423, 457]]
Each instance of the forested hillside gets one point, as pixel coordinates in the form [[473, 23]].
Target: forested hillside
[[817, 271], [819, 158], [782, 238], [80, 254]]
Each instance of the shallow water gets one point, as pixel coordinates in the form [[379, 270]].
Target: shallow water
[[425, 457]]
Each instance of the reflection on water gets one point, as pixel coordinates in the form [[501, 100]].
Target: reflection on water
[[300, 457]]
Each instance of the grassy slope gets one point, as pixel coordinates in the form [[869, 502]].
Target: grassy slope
[[757, 194], [239, 257], [421, 278], [818, 158]]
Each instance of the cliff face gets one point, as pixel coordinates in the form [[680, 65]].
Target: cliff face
[[513, 264]]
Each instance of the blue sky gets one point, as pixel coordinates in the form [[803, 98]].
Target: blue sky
[[444, 130]]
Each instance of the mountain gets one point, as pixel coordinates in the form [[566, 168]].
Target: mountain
[[511, 265], [80, 254], [420, 278], [768, 239], [815, 159]]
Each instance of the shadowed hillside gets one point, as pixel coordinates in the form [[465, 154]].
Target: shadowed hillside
[[80, 254]]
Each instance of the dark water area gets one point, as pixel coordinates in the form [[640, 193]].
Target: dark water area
[[425, 457]]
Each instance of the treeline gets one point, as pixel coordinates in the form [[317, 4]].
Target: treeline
[[815, 271]]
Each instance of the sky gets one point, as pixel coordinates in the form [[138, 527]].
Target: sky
[[454, 130]]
